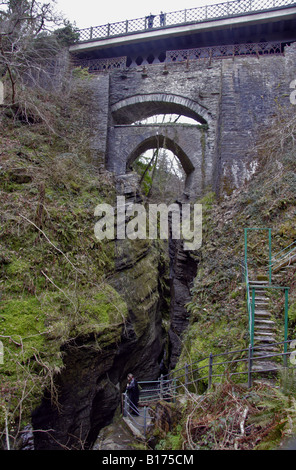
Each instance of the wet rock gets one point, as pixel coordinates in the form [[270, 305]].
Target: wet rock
[[116, 436], [27, 439], [182, 272], [166, 417]]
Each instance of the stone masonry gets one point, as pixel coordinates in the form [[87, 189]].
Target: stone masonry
[[230, 99]]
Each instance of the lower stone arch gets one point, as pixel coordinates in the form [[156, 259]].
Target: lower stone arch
[[162, 141]]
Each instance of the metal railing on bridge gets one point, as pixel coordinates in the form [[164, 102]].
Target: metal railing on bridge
[[187, 55], [181, 17]]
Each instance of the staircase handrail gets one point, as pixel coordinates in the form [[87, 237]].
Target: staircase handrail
[[284, 249], [280, 258], [246, 355]]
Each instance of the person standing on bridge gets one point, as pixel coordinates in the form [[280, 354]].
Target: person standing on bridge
[[162, 18], [133, 393], [150, 20]]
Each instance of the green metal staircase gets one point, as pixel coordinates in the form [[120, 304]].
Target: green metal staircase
[[264, 332]]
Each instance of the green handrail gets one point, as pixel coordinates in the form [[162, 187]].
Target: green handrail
[[251, 298]]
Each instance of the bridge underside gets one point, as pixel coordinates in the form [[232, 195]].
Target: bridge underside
[[152, 46]]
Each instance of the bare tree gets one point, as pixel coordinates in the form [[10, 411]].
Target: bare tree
[[28, 46]]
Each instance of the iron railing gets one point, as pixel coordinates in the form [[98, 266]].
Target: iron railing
[[139, 416], [186, 55], [252, 286], [244, 362], [200, 375], [284, 257], [181, 17], [225, 51]]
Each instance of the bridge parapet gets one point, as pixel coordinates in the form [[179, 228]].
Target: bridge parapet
[[182, 17]]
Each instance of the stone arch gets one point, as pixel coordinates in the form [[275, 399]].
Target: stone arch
[[162, 141], [137, 107]]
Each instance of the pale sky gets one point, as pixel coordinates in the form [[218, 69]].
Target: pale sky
[[86, 13]]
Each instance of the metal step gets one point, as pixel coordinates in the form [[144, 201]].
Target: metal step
[[262, 312], [262, 299], [264, 339], [262, 366], [262, 322]]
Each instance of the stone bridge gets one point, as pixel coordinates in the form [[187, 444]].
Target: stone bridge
[[229, 96], [190, 143]]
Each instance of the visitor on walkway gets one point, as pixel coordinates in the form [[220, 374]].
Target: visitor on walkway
[[133, 393]]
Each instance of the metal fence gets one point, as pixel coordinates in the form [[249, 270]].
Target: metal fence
[[225, 51], [186, 55], [180, 17], [285, 257], [243, 366]]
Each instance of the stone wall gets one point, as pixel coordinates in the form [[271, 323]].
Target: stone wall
[[232, 98], [253, 91]]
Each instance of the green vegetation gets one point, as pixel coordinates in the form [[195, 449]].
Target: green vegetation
[[231, 417], [55, 275], [218, 312], [54, 272]]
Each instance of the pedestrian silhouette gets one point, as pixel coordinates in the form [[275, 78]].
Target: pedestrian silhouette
[[150, 20], [133, 393]]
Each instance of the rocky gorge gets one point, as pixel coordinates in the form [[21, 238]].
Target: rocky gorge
[[153, 277]]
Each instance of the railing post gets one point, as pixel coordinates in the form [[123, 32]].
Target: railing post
[[125, 407], [174, 391], [126, 26], [210, 370], [108, 30], [161, 386], [186, 376], [250, 363], [91, 32], [185, 15], [286, 327], [145, 421], [1, 353]]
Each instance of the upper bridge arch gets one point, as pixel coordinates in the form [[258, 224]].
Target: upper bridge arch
[[137, 107]]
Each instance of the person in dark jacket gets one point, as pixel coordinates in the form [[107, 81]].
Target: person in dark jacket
[[133, 392], [150, 20]]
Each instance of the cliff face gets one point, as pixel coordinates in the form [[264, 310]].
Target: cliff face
[[77, 315], [182, 272], [96, 366]]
